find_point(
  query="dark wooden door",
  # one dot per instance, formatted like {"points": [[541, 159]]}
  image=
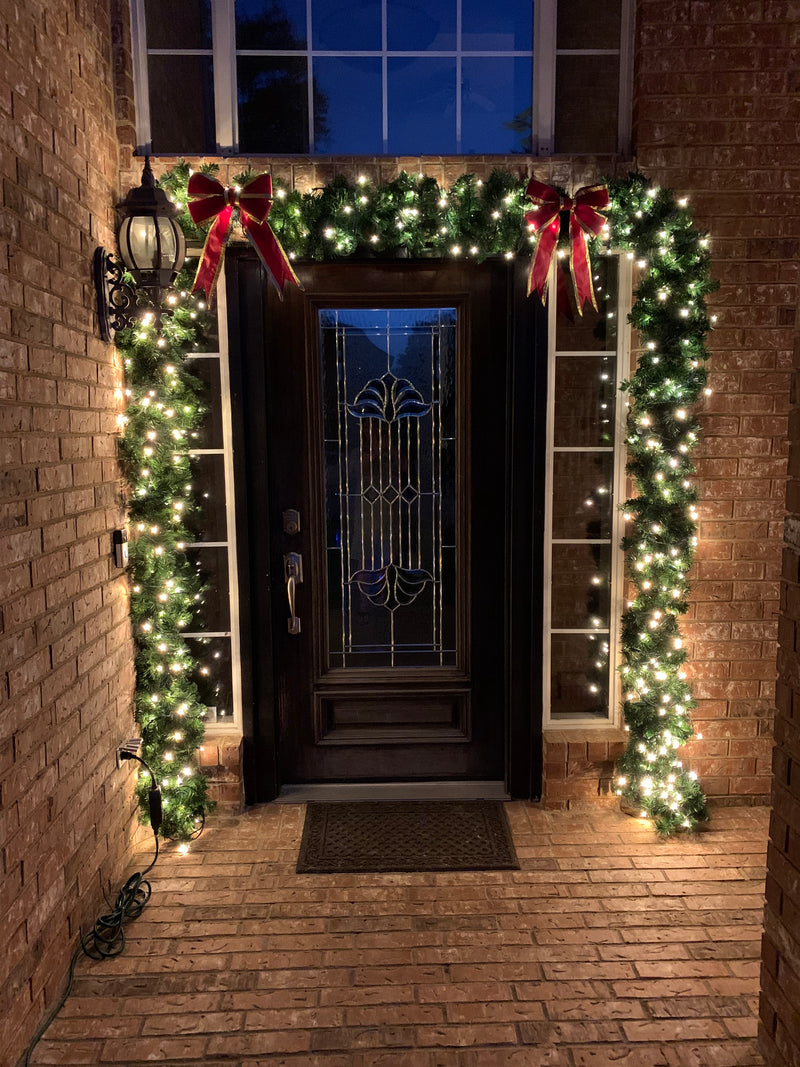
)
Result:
{"points": [[376, 404]]}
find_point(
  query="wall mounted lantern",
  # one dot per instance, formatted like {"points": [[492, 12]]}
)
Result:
{"points": [[152, 249]]}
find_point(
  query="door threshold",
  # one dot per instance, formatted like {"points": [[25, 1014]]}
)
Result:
{"points": [[342, 791]]}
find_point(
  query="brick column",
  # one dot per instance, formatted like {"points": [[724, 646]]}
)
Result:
{"points": [[67, 813], [714, 103], [779, 1030]]}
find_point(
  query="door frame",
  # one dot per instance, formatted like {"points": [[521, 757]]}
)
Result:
{"points": [[525, 411]]}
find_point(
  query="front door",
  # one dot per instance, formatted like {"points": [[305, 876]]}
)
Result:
{"points": [[376, 406]]}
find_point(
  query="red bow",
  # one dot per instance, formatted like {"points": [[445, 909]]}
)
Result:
{"points": [[208, 199], [544, 218]]}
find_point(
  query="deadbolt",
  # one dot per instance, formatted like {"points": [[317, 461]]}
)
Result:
{"points": [[291, 521]]}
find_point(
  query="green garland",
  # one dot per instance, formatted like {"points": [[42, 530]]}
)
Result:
{"points": [[410, 217], [164, 410], [414, 217], [669, 314]]}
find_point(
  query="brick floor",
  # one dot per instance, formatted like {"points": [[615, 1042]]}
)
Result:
{"points": [[608, 947]]}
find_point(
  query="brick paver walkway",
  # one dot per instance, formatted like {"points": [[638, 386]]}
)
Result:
{"points": [[609, 947]]}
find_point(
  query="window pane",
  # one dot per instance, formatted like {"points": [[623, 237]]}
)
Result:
{"points": [[589, 23], [580, 587], [346, 25], [497, 27], [580, 676], [209, 522], [214, 609], [593, 330], [270, 24], [422, 106], [347, 111], [188, 24], [213, 676], [181, 122], [496, 105], [210, 340], [273, 104], [582, 494], [421, 25], [209, 434], [585, 392], [587, 102]]}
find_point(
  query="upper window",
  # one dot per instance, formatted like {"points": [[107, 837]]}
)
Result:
{"points": [[371, 77]]}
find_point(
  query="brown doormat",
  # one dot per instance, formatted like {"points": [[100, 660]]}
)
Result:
{"points": [[408, 835]]}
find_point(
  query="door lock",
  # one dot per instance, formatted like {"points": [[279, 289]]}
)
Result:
{"points": [[293, 574], [291, 521]]}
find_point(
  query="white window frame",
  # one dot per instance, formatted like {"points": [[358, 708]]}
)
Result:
{"points": [[623, 357], [234, 722], [223, 53]]}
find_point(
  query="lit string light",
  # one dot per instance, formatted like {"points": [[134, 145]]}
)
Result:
{"points": [[670, 317], [163, 409]]}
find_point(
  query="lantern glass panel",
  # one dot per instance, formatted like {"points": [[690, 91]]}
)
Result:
{"points": [[152, 248], [138, 243], [169, 248], [151, 242]]}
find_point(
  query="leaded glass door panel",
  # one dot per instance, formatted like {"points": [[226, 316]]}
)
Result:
{"points": [[389, 415], [375, 405]]}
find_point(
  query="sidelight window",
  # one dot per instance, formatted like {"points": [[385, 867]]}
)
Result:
{"points": [[588, 357], [214, 638]]}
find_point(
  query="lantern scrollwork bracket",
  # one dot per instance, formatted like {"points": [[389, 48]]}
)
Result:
{"points": [[116, 300]]}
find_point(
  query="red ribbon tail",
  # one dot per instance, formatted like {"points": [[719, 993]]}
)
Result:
{"points": [[276, 262], [581, 267], [563, 305], [539, 270], [213, 251]]}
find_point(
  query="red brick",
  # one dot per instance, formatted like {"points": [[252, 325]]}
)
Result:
{"points": [[13, 579], [23, 609], [56, 476], [26, 674]]}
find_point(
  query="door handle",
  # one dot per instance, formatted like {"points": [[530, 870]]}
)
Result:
{"points": [[293, 574]]}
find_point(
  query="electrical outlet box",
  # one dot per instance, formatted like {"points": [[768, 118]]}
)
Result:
{"points": [[130, 747], [120, 542]]}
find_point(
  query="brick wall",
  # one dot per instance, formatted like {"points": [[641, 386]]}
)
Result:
{"points": [[306, 172], [716, 108], [578, 766], [66, 812], [779, 1030], [715, 117]]}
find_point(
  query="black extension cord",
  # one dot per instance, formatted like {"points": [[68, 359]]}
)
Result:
{"points": [[107, 937]]}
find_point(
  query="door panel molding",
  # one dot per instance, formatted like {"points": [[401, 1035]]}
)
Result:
{"points": [[387, 716]]}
